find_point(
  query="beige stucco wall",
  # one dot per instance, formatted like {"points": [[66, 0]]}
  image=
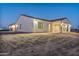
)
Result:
{"points": [[31, 25], [56, 27], [61, 26], [26, 24], [35, 25]]}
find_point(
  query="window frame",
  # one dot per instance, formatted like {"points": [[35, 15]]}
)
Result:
{"points": [[40, 25], [20, 26]]}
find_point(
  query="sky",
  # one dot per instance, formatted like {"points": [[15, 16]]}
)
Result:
{"points": [[10, 12]]}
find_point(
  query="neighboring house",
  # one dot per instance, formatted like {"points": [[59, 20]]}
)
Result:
{"points": [[31, 24]]}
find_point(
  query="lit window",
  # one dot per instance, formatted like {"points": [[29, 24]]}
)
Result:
{"points": [[40, 25]]}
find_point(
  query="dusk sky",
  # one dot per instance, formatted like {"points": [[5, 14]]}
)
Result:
{"points": [[9, 13]]}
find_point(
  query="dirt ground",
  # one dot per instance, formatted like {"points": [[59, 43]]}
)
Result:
{"points": [[40, 44]]}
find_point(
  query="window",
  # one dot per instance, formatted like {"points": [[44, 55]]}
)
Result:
{"points": [[20, 26], [40, 25], [64, 28]]}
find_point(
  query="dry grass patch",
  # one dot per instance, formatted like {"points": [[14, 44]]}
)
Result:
{"points": [[40, 44]]}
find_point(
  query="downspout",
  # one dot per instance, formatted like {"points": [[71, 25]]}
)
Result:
{"points": [[61, 27]]}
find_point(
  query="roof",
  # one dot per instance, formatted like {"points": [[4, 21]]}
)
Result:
{"points": [[59, 19], [46, 19], [34, 17], [12, 24]]}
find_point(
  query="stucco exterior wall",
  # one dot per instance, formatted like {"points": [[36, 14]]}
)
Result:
{"points": [[30, 24], [25, 24], [35, 25], [56, 27], [61, 26]]}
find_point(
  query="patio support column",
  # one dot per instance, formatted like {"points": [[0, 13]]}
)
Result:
{"points": [[69, 28]]}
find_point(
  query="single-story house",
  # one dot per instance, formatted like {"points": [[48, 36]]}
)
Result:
{"points": [[27, 23]]}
